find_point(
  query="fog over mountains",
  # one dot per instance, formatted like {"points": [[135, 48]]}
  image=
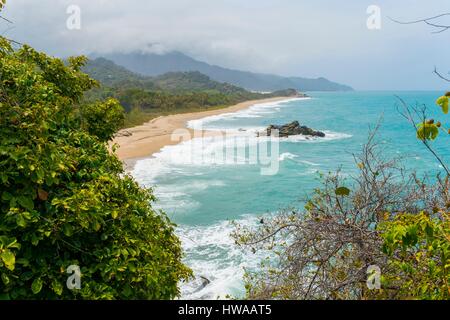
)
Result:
{"points": [[151, 64]]}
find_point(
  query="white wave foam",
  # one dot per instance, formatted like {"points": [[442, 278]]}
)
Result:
{"points": [[211, 253], [309, 163], [174, 203], [255, 111], [286, 155], [230, 149], [329, 135], [290, 156], [307, 172]]}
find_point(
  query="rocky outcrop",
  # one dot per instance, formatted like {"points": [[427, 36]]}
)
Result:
{"points": [[202, 283], [292, 129]]}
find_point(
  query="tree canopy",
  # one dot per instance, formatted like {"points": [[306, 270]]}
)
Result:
{"points": [[64, 197]]}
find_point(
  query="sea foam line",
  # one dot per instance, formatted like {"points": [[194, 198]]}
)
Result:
{"points": [[212, 254], [257, 110]]}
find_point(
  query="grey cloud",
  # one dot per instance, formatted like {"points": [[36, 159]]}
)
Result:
{"points": [[290, 37]]}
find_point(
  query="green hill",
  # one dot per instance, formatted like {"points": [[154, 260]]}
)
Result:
{"points": [[193, 81], [113, 75]]}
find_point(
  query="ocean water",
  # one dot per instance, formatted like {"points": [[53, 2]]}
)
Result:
{"points": [[202, 195]]}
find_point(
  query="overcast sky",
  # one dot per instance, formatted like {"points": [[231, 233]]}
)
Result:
{"points": [[287, 37]]}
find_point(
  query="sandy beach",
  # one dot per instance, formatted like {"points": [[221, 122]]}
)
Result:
{"points": [[150, 137]]}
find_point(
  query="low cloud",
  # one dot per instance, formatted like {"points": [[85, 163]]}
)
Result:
{"points": [[320, 38]]}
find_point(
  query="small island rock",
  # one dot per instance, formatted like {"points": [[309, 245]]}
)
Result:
{"points": [[292, 129]]}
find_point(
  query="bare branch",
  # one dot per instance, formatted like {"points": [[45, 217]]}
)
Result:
{"points": [[421, 115], [8, 29], [3, 18], [428, 21], [440, 75]]}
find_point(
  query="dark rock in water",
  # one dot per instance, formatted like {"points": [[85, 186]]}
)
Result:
{"points": [[292, 129], [204, 282]]}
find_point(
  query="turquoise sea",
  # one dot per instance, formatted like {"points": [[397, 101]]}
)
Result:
{"points": [[202, 197]]}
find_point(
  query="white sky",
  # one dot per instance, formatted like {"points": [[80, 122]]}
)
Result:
{"points": [[287, 37]]}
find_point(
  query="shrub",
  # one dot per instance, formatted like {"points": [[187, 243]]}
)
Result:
{"points": [[65, 199], [418, 246]]}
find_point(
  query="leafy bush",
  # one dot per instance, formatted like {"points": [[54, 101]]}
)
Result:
{"points": [[65, 199], [418, 247], [102, 119]]}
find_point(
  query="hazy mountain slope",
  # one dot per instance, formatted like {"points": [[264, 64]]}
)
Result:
{"points": [[109, 73], [154, 64], [113, 75], [193, 81]]}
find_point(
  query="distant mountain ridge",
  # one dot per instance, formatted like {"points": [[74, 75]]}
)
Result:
{"points": [[113, 75], [150, 64]]}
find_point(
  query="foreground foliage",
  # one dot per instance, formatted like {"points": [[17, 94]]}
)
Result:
{"points": [[65, 199], [418, 247]]}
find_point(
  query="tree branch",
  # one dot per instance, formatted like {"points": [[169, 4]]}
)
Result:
{"points": [[422, 116], [428, 21], [440, 75], [3, 18]]}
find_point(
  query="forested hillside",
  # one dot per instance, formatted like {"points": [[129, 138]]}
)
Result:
{"points": [[147, 97]]}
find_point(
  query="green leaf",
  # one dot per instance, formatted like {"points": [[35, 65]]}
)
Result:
{"points": [[5, 279], [8, 242], [67, 230], [8, 258], [57, 287], [342, 191], [6, 196], [26, 202], [412, 235], [23, 262], [429, 231], [443, 103], [20, 220], [5, 296], [96, 225], [427, 131], [36, 286]]}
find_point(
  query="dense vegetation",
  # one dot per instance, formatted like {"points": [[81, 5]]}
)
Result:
{"points": [[65, 199], [111, 75], [380, 234], [145, 97]]}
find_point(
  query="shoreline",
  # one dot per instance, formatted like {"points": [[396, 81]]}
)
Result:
{"points": [[150, 137]]}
